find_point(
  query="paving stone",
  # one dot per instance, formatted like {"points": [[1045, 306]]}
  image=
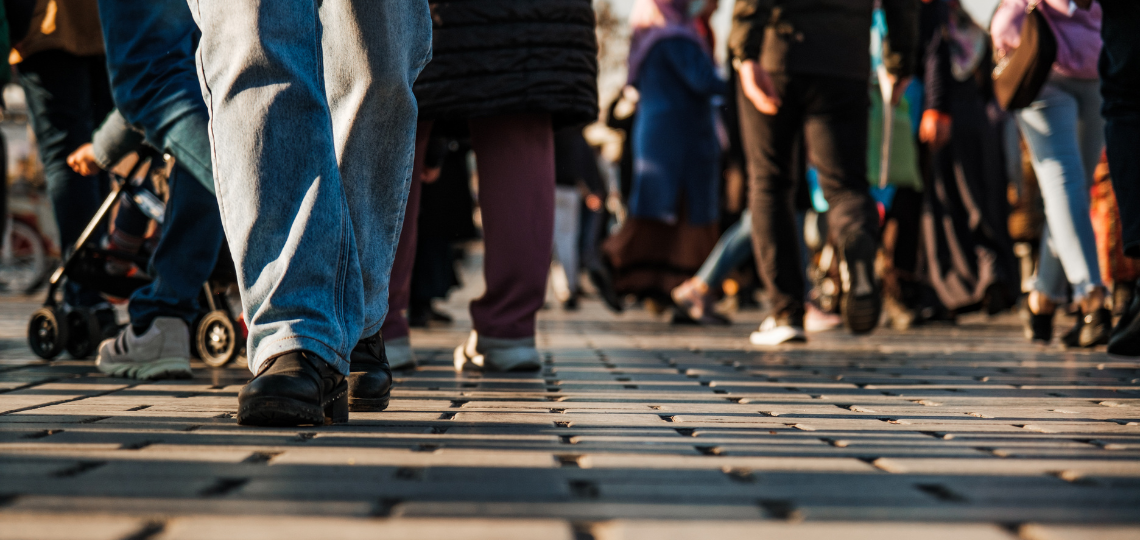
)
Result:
{"points": [[37, 526], [209, 528], [683, 530]]}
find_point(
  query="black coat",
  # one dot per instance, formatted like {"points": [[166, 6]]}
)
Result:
{"points": [[495, 57]]}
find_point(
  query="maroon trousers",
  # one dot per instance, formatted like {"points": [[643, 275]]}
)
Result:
{"points": [[515, 159]]}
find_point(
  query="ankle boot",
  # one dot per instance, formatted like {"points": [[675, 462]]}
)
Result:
{"points": [[293, 389], [370, 377], [1038, 326]]}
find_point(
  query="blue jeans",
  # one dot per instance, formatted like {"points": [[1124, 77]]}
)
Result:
{"points": [[150, 58], [67, 96], [733, 248], [313, 126], [186, 254], [1064, 131]]}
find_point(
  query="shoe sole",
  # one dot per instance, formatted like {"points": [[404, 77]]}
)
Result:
{"points": [[462, 361], [368, 404], [162, 368], [860, 306], [770, 339], [271, 411]]}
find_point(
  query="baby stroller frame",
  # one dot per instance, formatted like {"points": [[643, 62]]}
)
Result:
{"points": [[216, 339]]}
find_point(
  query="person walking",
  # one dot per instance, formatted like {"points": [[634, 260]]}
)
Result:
{"points": [[534, 71], [150, 62], [60, 60], [673, 204], [805, 66], [312, 124], [1064, 132]]}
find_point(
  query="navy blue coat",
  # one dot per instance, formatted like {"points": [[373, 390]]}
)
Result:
{"points": [[675, 147]]}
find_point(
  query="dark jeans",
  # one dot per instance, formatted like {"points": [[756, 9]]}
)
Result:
{"points": [[68, 96], [150, 57], [1122, 138], [186, 254], [832, 113]]}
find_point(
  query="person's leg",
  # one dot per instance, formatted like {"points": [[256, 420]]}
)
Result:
{"points": [[1122, 133], [65, 108], [157, 343], [768, 143], [515, 157], [374, 125], [399, 292], [1050, 129], [567, 206], [187, 251], [835, 131], [733, 248], [278, 181], [150, 58]]}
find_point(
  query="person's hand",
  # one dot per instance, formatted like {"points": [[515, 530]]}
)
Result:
{"points": [[935, 128], [758, 87], [898, 86], [82, 161], [429, 175]]}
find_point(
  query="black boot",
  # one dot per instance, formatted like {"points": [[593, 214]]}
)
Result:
{"points": [[370, 378], [861, 304], [293, 389], [1125, 338], [1092, 329]]}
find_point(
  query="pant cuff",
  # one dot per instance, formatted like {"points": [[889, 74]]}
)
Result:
{"points": [[281, 345]]}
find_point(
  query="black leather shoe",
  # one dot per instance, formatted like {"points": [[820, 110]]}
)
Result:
{"points": [[1038, 326], [370, 378], [294, 389]]}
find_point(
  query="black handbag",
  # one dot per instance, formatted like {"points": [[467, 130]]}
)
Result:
{"points": [[1022, 72]]}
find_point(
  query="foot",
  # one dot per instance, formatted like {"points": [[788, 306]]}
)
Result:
{"points": [[162, 352], [294, 389], [400, 354], [776, 331], [690, 298], [497, 354], [370, 377], [816, 320], [1125, 338], [1092, 329], [1038, 326], [602, 278], [860, 306]]}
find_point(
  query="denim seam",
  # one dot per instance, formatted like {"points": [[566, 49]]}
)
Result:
{"points": [[336, 361]]}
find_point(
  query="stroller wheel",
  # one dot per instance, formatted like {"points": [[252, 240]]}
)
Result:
{"points": [[215, 338], [47, 332], [83, 333]]}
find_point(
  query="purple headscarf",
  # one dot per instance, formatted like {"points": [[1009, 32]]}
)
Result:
{"points": [[653, 21]]}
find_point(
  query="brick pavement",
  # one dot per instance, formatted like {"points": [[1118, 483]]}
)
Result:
{"points": [[633, 430]]}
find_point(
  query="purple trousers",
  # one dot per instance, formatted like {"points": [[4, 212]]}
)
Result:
{"points": [[515, 160]]}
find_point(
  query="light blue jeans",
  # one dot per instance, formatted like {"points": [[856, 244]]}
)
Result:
{"points": [[312, 125], [1065, 134]]}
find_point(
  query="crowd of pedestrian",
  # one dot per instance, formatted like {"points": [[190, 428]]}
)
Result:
{"points": [[326, 148]]}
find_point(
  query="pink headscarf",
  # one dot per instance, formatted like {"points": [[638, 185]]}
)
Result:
{"points": [[653, 21]]}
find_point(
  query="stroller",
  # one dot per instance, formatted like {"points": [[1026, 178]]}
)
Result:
{"points": [[217, 337]]}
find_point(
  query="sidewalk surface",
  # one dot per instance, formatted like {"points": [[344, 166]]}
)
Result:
{"points": [[634, 429]]}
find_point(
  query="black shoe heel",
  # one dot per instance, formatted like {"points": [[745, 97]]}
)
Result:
{"points": [[336, 411]]}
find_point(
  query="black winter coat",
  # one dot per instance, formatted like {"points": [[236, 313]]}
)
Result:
{"points": [[495, 57]]}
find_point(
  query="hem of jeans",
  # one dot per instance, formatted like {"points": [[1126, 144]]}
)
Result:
{"points": [[300, 343], [1084, 289], [1034, 285]]}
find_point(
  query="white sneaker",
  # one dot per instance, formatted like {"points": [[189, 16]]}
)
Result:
{"points": [[497, 354], [773, 333], [399, 352], [163, 352]]}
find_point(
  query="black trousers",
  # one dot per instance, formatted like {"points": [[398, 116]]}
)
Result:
{"points": [[832, 114]]}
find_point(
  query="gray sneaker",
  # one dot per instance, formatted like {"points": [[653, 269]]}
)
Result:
{"points": [[400, 354], [497, 354], [162, 352]]}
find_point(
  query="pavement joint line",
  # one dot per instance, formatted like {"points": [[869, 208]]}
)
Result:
{"points": [[148, 531], [32, 384], [70, 400]]}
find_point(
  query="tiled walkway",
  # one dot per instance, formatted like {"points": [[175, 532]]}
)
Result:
{"points": [[633, 430]]}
